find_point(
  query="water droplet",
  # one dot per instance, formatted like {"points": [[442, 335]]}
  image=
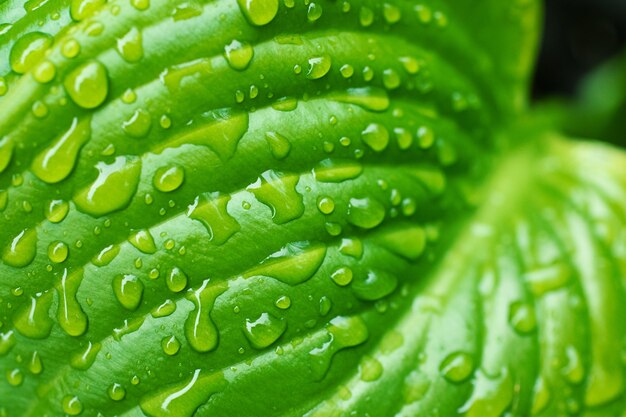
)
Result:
{"points": [[15, 377], [28, 50], [574, 371], [70, 48], [548, 278], [264, 331], [346, 70], [176, 280], [7, 341], [293, 264], [376, 136], [112, 190], [522, 317], [337, 170], [391, 79], [410, 64], [259, 12], [35, 365], [140, 5], [200, 331], [170, 345], [238, 54], [72, 405], [128, 326], [39, 109], [167, 308], [70, 314], [211, 210], [6, 152], [408, 242], [541, 396], [184, 398], [168, 178], [138, 125], [365, 213], [457, 367], [370, 98], [351, 247], [130, 46], [279, 145], [116, 392], [343, 332], [32, 319], [21, 251], [370, 368], [185, 11], [88, 84], [221, 134], [326, 205], [81, 9], [318, 67], [143, 241], [85, 358], [366, 16], [391, 13], [106, 255], [342, 276], [314, 12], [57, 161], [57, 251], [375, 285], [283, 302], [128, 290], [492, 395], [416, 385], [278, 192]]}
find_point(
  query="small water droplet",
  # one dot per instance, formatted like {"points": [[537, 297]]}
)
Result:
{"points": [[138, 124], [7, 341], [57, 251], [81, 9], [283, 302], [116, 392], [168, 178], [391, 13], [35, 365], [176, 280], [314, 12], [238, 54], [15, 377], [370, 368], [365, 213], [72, 405], [342, 276], [278, 144], [143, 241], [366, 16], [106, 255], [522, 317], [130, 45], [167, 308], [170, 345], [376, 136]]}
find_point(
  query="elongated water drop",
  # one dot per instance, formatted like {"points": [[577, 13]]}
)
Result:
{"points": [[176, 280], [112, 190], [56, 211], [293, 264], [337, 170], [35, 365], [106, 255], [211, 210], [165, 309], [32, 319], [128, 290], [278, 192], [457, 367], [279, 145], [88, 84], [200, 331], [370, 98], [182, 399], [70, 314], [85, 358], [57, 161], [143, 241], [21, 251]]}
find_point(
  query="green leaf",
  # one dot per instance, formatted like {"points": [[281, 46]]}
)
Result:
{"points": [[264, 208]]}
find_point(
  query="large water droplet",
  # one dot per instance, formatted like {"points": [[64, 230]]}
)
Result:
{"points": [[366, 213], [130, 45], [57, 161], [128, 290], [168, 178], [88, 84], [279, 145], [138, 124], [293, 264], [376, 136], [70, 314], [32, 319], [375, 285], [343, 332], [83, 359], [184, 398], [211, 210], [370, 98], [28, 50], [408, 242], [21, 251], [259, 12], [112, 190], [278, 192], [264, 331], [200, 331], [336, 170]]}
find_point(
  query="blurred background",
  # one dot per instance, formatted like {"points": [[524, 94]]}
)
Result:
{"points": [[579, 35]]}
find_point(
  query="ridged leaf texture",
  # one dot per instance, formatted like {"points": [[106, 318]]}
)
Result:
{"points": [[298, 208]]}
